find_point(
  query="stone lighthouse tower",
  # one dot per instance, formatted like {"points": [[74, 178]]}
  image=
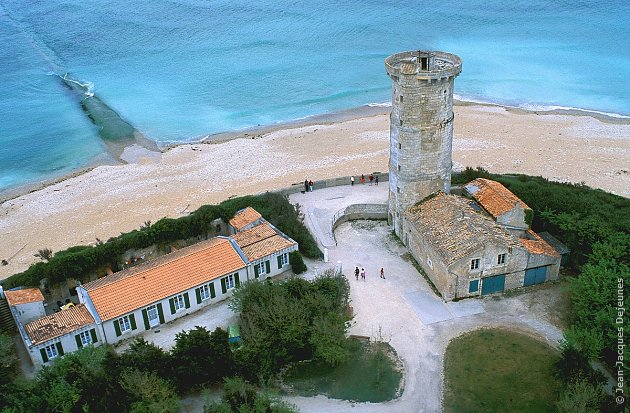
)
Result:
{"points": [[421, 127]]}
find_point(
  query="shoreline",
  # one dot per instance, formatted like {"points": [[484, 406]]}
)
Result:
{"points": [[114, 154], [110, 199]]}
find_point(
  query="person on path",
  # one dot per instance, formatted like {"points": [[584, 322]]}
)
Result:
{"points": [[352, 180], [362, 178], [356, 273], [363, 274], [310, 185], [306, 185], [376, 180], [371, 178], [382, 273]]}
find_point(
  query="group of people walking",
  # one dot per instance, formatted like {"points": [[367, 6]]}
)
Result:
{"points": [[372, 178], [361, 272], [308, 185]]}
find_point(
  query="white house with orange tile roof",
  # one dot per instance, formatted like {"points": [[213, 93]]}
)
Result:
{"points": [[123, 304], [267, 249], [161, 290], [472, 247], [26, 304]]}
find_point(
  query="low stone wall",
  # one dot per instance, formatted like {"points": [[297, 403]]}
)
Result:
{"points": [[328, 183], [357, 211]]}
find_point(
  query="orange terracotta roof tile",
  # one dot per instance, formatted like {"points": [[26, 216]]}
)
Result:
{"points": [[27, 295], [261, 240], [58, 324], [493, 197], [147, 283], [244, 217], [538, 245], [454, 228]]}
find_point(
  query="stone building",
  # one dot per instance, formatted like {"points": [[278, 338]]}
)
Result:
{"points": [[421, 127], [468, 246]]}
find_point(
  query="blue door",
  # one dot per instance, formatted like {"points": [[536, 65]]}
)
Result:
{"points": [[535, 276], [494, 284]]}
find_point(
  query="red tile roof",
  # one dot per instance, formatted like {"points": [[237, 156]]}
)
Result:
{"points": [[244, 217], [261, 241], [147, 283], [58, 324], [27, 295], [493, 197], [538, 245]]}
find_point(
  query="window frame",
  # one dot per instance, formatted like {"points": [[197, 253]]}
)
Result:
{"points": [[475, 264], [284, 259], [262, 268], [230, 282], [124, 323], [178, 302], [203, 290], [501, 259], [85, 335], [51, 351]]}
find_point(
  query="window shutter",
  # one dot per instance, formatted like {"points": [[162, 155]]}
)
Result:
{"points": [[236, 280], [212, 293], [59, 348], [223, 287], [268, 266], [256, 272], [186, 300], [93, 335], [160, 313], [79, 342], [132, 321], [171, 303], [117, 328], [145, 317], [279, 261], [42, 351], [198, 295]]}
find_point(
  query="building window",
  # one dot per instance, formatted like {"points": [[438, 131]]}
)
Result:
{"points": [[473, 287], [86, 338], [261, 269], [398, 168], [401, 98], [124, 324], [430, 263], [283, 259], [178, 301], [401, 122], [400, 146], [501, 259], [229, 281], [474, 264], [51, 351], [204, 292]]}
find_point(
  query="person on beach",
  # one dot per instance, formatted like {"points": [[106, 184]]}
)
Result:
{"points": [[310, 185], [371, 178], [363, 274], [362, 178], [376, 180], [356, 273], [352, 180], [306, 185], [382, 273]]}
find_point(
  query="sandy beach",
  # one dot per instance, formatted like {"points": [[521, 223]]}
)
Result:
{"points": [[110, 199]]}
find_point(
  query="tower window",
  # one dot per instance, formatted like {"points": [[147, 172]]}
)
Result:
{"points": [[400, 146], [401, 98], [398, 168], [398, 189], [401, 122]]}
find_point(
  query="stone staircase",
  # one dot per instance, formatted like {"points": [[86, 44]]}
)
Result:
{"points": [[7, 324]]}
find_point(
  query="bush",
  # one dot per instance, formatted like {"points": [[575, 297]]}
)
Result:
{"points": [[297, 263]]}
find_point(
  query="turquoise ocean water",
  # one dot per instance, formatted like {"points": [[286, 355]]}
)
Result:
{"points": [[181, 69]]}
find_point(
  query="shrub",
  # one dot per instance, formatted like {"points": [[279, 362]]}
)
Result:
{"points": [[297, 263]]}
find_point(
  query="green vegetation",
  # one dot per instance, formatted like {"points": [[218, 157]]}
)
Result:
{"points": [[79, 261], [367, 375], [499, 371], [297, 263], [290, 321], [240, 396]]}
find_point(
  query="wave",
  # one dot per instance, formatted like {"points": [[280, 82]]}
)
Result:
{"points": [[86, 87], [535, 107], [380, 105]]}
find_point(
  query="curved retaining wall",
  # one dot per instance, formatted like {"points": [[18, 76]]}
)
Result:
{"points": [[328, 183], [357, 211]]}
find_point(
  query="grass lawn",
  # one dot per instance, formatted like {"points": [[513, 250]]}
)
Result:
{"points": [[496, 370], [371, 374]]}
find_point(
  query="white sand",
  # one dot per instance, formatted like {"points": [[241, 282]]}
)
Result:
{"points": [[109, 200]]}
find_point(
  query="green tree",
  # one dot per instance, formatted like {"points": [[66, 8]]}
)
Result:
{"points": [[580, 396], [148, 393], [144, 356], [297, 263], [240, 396]]}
